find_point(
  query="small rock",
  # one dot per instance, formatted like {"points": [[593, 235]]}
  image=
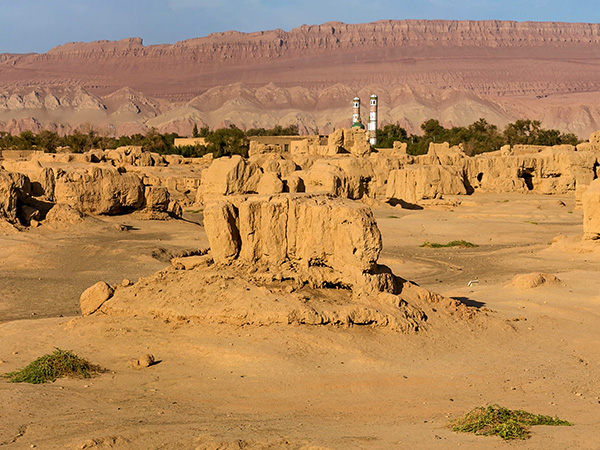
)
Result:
{"points": [[94, 297], [126, 283], [143, 361]]}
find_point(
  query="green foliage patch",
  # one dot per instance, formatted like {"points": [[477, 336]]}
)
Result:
{"points": [[496, 420], [479, 137], [461, 244], [61, 363]]}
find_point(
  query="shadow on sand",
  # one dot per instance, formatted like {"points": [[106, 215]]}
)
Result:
{"points": [[469, 302]]}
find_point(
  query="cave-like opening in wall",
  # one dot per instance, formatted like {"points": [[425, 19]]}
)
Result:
{"points": [[527, 176]]}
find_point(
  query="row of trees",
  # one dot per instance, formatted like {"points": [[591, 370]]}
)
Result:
{"points": [[80, 141], [220, 142], [479, 137]]}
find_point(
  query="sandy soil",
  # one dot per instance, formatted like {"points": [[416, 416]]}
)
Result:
{"points": [[44, 270], [222, 386]]}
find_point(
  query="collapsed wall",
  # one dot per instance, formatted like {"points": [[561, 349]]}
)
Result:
{"points": [[18, 201], [551, 171], [354, 141], [341, 165], [8, 197], [416, 182], [100, 191]]}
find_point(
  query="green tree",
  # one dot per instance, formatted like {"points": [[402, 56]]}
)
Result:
{"points": [[77, 141], [155, 142], [227, 141], [26, 140], [389, 134], [49, 140], [277, 130], [433, 129], [482, 137], [195, 132], [522, 132]]}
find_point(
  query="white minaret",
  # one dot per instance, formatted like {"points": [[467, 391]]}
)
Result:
{"points": [[355, 110], [373, 120]]}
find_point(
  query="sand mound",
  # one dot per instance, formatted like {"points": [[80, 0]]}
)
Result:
{"points": [[64, 214], [237, 294], [533, 280]]}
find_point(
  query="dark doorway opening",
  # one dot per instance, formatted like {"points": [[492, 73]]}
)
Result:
{"points": [[527, 175]]}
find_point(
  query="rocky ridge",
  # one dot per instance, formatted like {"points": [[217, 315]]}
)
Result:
{"points": [[456, 71]]}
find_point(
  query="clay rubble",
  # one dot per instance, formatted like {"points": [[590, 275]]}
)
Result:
{"points": [[342, 165]]}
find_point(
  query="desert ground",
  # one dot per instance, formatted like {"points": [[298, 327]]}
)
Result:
{"points": [[224, 386]]}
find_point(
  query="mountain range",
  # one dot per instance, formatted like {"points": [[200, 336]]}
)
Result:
{"points": [[453, 71]]}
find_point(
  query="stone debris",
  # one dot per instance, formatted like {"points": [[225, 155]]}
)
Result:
{"points": [[142, 362], [94, 297]]}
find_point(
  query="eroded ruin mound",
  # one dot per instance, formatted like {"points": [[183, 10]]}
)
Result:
{"points": [[287, 259]]}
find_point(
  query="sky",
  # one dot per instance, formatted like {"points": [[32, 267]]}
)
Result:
{"points": [[38, 25]]}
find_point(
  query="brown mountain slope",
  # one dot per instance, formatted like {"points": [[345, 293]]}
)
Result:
{"points": [[456, 71]]}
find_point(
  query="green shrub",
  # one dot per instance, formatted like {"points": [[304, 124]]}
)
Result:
{"points": [[61, 363], [496, 420], [462, 244]]}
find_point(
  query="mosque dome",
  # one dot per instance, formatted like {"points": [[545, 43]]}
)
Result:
{"points": [[358, 124]]}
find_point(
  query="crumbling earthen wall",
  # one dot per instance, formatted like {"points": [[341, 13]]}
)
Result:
{"points": [[591, 211], [313, 233]]}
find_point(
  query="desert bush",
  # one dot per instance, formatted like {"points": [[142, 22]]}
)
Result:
{"points": [[496, 420], [461, 244], [61, 363]]}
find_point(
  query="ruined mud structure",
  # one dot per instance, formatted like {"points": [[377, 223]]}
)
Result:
{"points": [[342, 165]]}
